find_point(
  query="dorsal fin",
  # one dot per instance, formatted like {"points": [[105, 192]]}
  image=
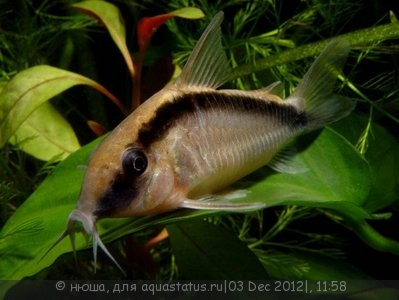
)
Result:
{"points": [[207, 65]]}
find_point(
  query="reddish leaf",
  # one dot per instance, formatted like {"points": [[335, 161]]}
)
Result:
{"points": [[97, 128], [147, 26]]}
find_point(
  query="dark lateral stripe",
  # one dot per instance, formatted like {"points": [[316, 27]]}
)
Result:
{"points": [[169, 113]]}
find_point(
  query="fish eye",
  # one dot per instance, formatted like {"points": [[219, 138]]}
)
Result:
{"points": [[134, 162]]}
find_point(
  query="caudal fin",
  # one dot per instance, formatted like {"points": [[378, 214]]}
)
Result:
{"points": [[314, 95]]}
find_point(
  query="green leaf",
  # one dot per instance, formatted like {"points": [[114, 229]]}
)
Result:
{"points": [[337, 178], [109, 15], [41, 219], [29, 89], [207, 251], [46, 135], [381, 152], [188, 13]]}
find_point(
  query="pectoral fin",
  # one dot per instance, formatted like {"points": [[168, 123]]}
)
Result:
{"points": [[286, 162], [224, 202]]}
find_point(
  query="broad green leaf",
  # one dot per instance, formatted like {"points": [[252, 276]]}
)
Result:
{"points": [[46, 135], [29, 89], [39, 220], [381, 151], [206, 251], [337, 177], [109, 15]]}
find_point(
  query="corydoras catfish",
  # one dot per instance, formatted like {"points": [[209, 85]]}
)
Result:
{"points": [[183, 146]]}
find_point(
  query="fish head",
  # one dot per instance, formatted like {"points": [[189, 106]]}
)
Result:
{"points": [[126, 182], [123, 178]]}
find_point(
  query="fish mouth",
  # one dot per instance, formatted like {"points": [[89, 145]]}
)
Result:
{"points": [[89, 226], [79, 221]]}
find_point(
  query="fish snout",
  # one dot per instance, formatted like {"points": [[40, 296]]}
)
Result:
{"points": [[79, 218]]}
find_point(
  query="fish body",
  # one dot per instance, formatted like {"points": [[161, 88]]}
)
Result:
{"points": [[190, 141], [195, 143]]}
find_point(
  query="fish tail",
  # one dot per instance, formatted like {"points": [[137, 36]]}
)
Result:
{"points": [[314, 95]]}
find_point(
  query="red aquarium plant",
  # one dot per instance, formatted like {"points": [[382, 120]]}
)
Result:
{"points": [[110, 18]]}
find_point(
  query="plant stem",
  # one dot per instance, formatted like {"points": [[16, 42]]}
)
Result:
{"points": [[359, 37], [372, 237]]}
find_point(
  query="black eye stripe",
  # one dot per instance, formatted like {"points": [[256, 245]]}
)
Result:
{"points": [[134, 162], [124, 188], [117, 197]]}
